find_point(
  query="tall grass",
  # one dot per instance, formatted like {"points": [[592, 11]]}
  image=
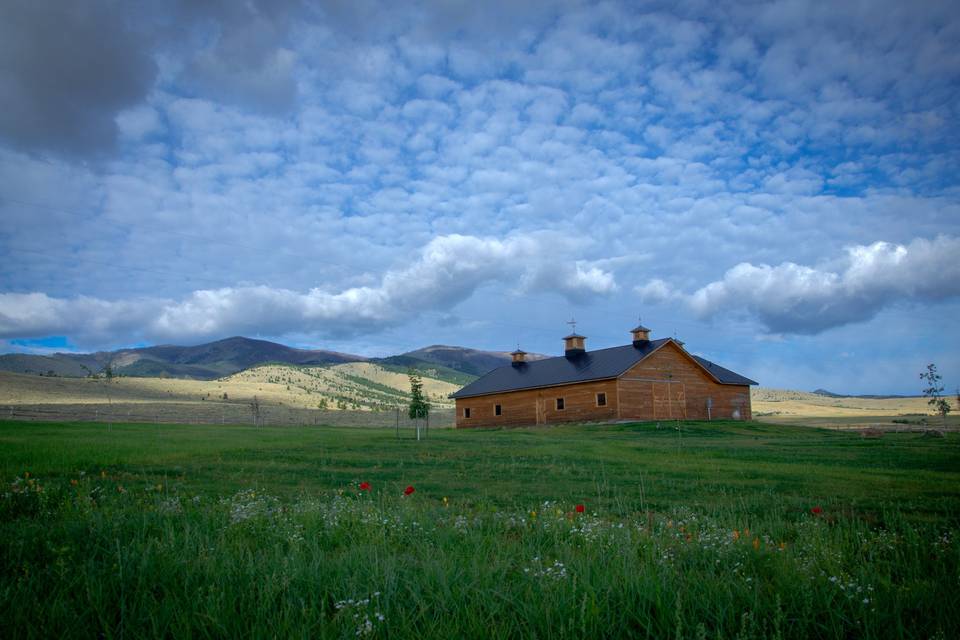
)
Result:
{"points": [[128, 550]]}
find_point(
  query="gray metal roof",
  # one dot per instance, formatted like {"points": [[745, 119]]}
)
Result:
{"points": [[589, 365]]}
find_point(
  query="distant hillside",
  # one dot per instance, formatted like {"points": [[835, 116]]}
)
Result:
{"points": [[830, 394], [470, 361], [42, 365], [360, 386], [203, 362], [402, 364]]}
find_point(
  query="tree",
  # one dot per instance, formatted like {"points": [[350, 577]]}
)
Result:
{"points": [[419, 407], [933, 391], [255, 410]]}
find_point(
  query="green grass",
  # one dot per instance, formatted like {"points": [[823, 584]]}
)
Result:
{"points": [[229, 531]]}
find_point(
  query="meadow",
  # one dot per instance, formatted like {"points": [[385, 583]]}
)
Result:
{"points": [[712, 530]]}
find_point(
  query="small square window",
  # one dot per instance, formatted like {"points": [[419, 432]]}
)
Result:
{"points": [[559, 404], [601, 399], [466, 412], [497, 410]]}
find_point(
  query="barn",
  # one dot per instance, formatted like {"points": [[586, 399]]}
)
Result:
{"points": [[645, 380]]}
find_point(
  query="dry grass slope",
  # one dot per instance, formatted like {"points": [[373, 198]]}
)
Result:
{"points": [[799, 407], [353, 386]]}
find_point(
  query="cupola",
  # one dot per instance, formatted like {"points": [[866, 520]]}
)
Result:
{"points": [[641, 335], [519, 357], [573, 345]]}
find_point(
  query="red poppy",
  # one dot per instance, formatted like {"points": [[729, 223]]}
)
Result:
{"points": [[408, 490], [817, 510], [580, 508], [364, 486]]}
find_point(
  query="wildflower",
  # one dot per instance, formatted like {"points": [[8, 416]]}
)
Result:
{"points": [[364, 486], [408, 490], [73, 483], [533, 514], [756, 544], [782, 546], [446, 502], [580, 508], [817, 510], [736, 535]]}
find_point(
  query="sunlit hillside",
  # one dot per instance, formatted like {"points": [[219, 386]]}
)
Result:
{"points": [[799, 407], [362, 386]]}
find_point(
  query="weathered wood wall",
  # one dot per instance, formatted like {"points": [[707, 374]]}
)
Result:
{"points": [[538, 406], [670, 384], [667, 384]]}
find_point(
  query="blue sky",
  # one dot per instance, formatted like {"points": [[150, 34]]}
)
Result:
{"points": [[774, 183]]}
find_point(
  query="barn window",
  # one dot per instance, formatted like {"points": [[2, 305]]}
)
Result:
{"points": [[466, 412], [497, 410], [559, 404], [601, 399]]}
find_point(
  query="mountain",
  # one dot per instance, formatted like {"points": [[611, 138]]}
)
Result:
{"points": [[204, 361], [470, 361], [457, 365]]}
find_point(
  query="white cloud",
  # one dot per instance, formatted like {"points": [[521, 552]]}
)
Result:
{"points": [[793, 298], [448, 270]]}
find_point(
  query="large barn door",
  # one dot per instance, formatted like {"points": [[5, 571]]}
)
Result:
{"points": [[669, 400]]}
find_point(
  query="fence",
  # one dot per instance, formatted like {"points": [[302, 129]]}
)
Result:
{"points": [[219, 413]]}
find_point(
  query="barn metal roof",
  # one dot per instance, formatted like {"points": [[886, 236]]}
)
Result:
{"points": [[589, 365]]}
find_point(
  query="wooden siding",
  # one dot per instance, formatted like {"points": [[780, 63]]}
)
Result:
{"points": [[668, 384], [538, 406]]}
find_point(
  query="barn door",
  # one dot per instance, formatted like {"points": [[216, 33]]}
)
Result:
{"points": [[679, 396], [669, 401]]}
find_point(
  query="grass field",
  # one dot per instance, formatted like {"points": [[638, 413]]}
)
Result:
{"points": [[792, 407], [716, 530]]}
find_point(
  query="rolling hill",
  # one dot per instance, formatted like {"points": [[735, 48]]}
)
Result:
{"points": [[358, 386], [203, 362], [470, 361], [457, 365]]}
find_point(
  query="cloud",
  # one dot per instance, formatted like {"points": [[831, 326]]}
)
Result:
{"points": [[798, 299], [66, 70], [448, 270]]}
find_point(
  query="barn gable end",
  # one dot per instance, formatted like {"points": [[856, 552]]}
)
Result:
{"points": [[646, 380]]}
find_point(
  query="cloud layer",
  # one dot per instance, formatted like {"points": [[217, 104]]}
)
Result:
{"points": [[793, 298], [448, 270]]}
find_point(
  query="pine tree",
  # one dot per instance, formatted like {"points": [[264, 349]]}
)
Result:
{"points": [[419, 407]]}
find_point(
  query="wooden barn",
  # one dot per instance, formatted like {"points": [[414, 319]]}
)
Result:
{"points": [[644, 380]]}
